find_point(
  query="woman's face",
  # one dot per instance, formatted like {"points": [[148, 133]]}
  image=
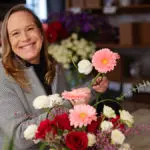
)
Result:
{"points": [[25, 37]]}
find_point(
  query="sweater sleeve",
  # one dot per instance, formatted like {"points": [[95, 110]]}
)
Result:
{"points": [[11, 125]]}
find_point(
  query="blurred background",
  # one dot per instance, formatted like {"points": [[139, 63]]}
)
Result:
{"points": [[121, 25]]}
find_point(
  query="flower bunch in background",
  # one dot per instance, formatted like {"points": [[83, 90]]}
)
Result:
{"points": [[78, 22], [91, 26], [71, 49]]}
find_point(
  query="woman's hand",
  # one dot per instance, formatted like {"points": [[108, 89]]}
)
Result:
{"points": [[101, 84]]}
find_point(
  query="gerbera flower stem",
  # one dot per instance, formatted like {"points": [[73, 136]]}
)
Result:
{"points": [[94, 80], [111, 100]]}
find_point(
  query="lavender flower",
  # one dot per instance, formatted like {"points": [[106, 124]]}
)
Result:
{"points": [[80, 22]]}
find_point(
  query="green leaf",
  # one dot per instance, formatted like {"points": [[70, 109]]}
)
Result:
{"points": [[43, 145]]}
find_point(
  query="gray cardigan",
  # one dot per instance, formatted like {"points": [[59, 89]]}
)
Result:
{"points": [[16, 109]]}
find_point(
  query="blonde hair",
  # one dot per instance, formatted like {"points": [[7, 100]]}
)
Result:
{"points": [[12, 66]]}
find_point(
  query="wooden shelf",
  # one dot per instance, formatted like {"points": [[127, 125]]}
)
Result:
{"points": [[99, 45], [134, 9], [123, 10]]}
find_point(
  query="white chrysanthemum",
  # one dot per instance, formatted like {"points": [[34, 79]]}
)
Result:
{"points": [[109, 112], [55, 99], [72, 46], [126, 117], [117, 137], [106, 125], [41, 102], [30, 131], [125, 146], [74, 36], [85, 66], [91, 139]]}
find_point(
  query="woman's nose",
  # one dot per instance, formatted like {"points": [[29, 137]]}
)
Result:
{"points": [[24, 36]]}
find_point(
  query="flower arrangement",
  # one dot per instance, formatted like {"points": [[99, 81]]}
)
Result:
{"points": [[79, 127], [71, 49]]}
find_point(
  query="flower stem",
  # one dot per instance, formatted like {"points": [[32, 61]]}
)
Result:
{"points": [[111, 100], [93, 81], [74, 63]]}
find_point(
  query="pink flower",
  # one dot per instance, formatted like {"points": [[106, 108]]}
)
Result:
{"points": [[82, 115], [104, 60], [81, 95]]}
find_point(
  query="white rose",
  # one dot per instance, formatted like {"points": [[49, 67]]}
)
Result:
{"points": [[41, 102], [126, 117], [106, 125], [125, 146], [117, 137], [91, 139], [30, 131], [54, 100], [85, 66], [109, 112]]}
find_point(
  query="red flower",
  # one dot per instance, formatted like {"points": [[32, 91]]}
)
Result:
{"points": [[57, 26], [45, 127], [55, 32], [77, 140], [63, 33], [92, 128], [117, 124], [51, 35], [63, 122]]}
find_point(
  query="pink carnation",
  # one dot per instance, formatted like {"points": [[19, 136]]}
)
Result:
{"points": [[82, 115], [77, 94], [104, 60]]}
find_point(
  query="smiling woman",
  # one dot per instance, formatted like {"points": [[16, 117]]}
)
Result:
{"points": [[26, 72], [25, 38]]}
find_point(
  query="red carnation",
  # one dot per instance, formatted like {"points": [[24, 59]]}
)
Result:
{"points": [[57, 26], [51, 35], [63, 122], [45, 127], [63, 33], [117, 124], [77, 140], [93, 127]]}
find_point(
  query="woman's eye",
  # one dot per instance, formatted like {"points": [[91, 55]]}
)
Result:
{"points": [[30, 29], [15, 34]]}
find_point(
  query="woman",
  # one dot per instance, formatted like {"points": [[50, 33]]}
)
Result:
{"points": [[26, 72]]}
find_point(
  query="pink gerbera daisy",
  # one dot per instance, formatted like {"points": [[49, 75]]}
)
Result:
{"points": [[82, 115], [104, 60]]}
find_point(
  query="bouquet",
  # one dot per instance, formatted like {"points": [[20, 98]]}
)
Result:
{"points": [[79, 127]]}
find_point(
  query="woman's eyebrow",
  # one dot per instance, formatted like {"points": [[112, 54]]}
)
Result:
{"points": [[11, 32]]}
